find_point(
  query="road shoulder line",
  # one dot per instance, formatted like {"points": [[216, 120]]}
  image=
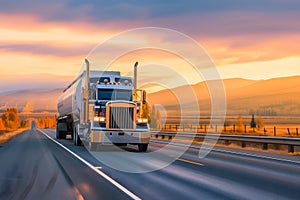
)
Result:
{"points": [[115, 183]]}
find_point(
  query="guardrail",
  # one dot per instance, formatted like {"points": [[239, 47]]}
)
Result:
{"points": [[265, 140], [233, 129]]}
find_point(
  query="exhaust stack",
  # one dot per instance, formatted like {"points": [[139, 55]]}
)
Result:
{"points": [[134, 94], [135, 75], [86, 95]]}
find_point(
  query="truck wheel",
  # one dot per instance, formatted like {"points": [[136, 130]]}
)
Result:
{"points": [[76, 138], [62, 135], [143, 147], [57, 133], [72, 133]]}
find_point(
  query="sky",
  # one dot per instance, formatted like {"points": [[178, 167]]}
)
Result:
{"points": [[257, 39]]}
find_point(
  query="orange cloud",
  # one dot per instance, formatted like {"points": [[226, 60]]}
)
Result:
{"points": [[252, 48], [31, 44]]}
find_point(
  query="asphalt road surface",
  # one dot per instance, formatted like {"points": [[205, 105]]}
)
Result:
{"points": [[35, 167]]}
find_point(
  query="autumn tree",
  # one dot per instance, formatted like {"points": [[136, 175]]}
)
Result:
{"points": [[46, 122], [10, 119], [1, 125], [26, 123]]}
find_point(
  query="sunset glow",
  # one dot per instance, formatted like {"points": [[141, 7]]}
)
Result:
{"points": [[244, 41]]}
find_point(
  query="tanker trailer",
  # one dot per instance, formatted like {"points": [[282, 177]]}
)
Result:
{"points": [[104, 108]]}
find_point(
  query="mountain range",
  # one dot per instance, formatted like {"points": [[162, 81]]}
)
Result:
{"points": [[278, 96]]}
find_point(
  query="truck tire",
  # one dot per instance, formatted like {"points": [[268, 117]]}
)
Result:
{"points": [[57, 133], [62, 135], [143, 147], [76, 138]]}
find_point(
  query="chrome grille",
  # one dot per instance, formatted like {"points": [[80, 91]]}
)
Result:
{"points": [[121, 117]]}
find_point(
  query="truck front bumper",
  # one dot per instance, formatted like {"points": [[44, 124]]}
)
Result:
{"points": [[119, 137]]}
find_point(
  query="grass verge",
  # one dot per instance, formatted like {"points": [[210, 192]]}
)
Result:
{"points": [[7, 135], [295, 154]]}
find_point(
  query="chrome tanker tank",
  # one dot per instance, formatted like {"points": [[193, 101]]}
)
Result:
{"points": [[69, 103]]}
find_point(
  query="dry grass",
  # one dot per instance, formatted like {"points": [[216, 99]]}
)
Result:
{"points": [[7, 135], [295, 154]]}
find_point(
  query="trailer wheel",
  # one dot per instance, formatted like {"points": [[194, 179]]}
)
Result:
{"points": [[76, 138], [143, 147], [60, 134]]}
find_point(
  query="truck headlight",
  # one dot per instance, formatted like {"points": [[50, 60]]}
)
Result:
{"points": [[99, 119], [142, 120]]}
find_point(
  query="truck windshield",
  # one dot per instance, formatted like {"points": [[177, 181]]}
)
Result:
{"points": [[114, 94]]}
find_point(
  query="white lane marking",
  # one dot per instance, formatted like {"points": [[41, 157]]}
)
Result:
{"points": [[258, 156], [190, 162], [115, 183], [98, 168], [236, 153]]}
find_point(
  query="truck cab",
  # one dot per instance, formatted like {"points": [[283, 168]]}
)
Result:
{"points": [[116, 117], [103, 107]]}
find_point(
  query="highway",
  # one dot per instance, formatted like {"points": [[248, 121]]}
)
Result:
{"points": [[35, 167]]}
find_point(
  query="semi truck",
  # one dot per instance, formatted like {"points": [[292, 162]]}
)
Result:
{"points": [[104, 108]]}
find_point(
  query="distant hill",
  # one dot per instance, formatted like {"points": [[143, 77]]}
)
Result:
{"points": [[31, 100], [279, 96], [32, 92]]}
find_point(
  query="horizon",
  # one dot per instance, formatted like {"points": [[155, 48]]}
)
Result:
{"points": [[64, 84]]}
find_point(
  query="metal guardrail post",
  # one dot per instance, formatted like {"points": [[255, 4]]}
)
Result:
{"points": [[274, 130], [243, 144], [265, 131], [265, 146], [291, 148]]}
